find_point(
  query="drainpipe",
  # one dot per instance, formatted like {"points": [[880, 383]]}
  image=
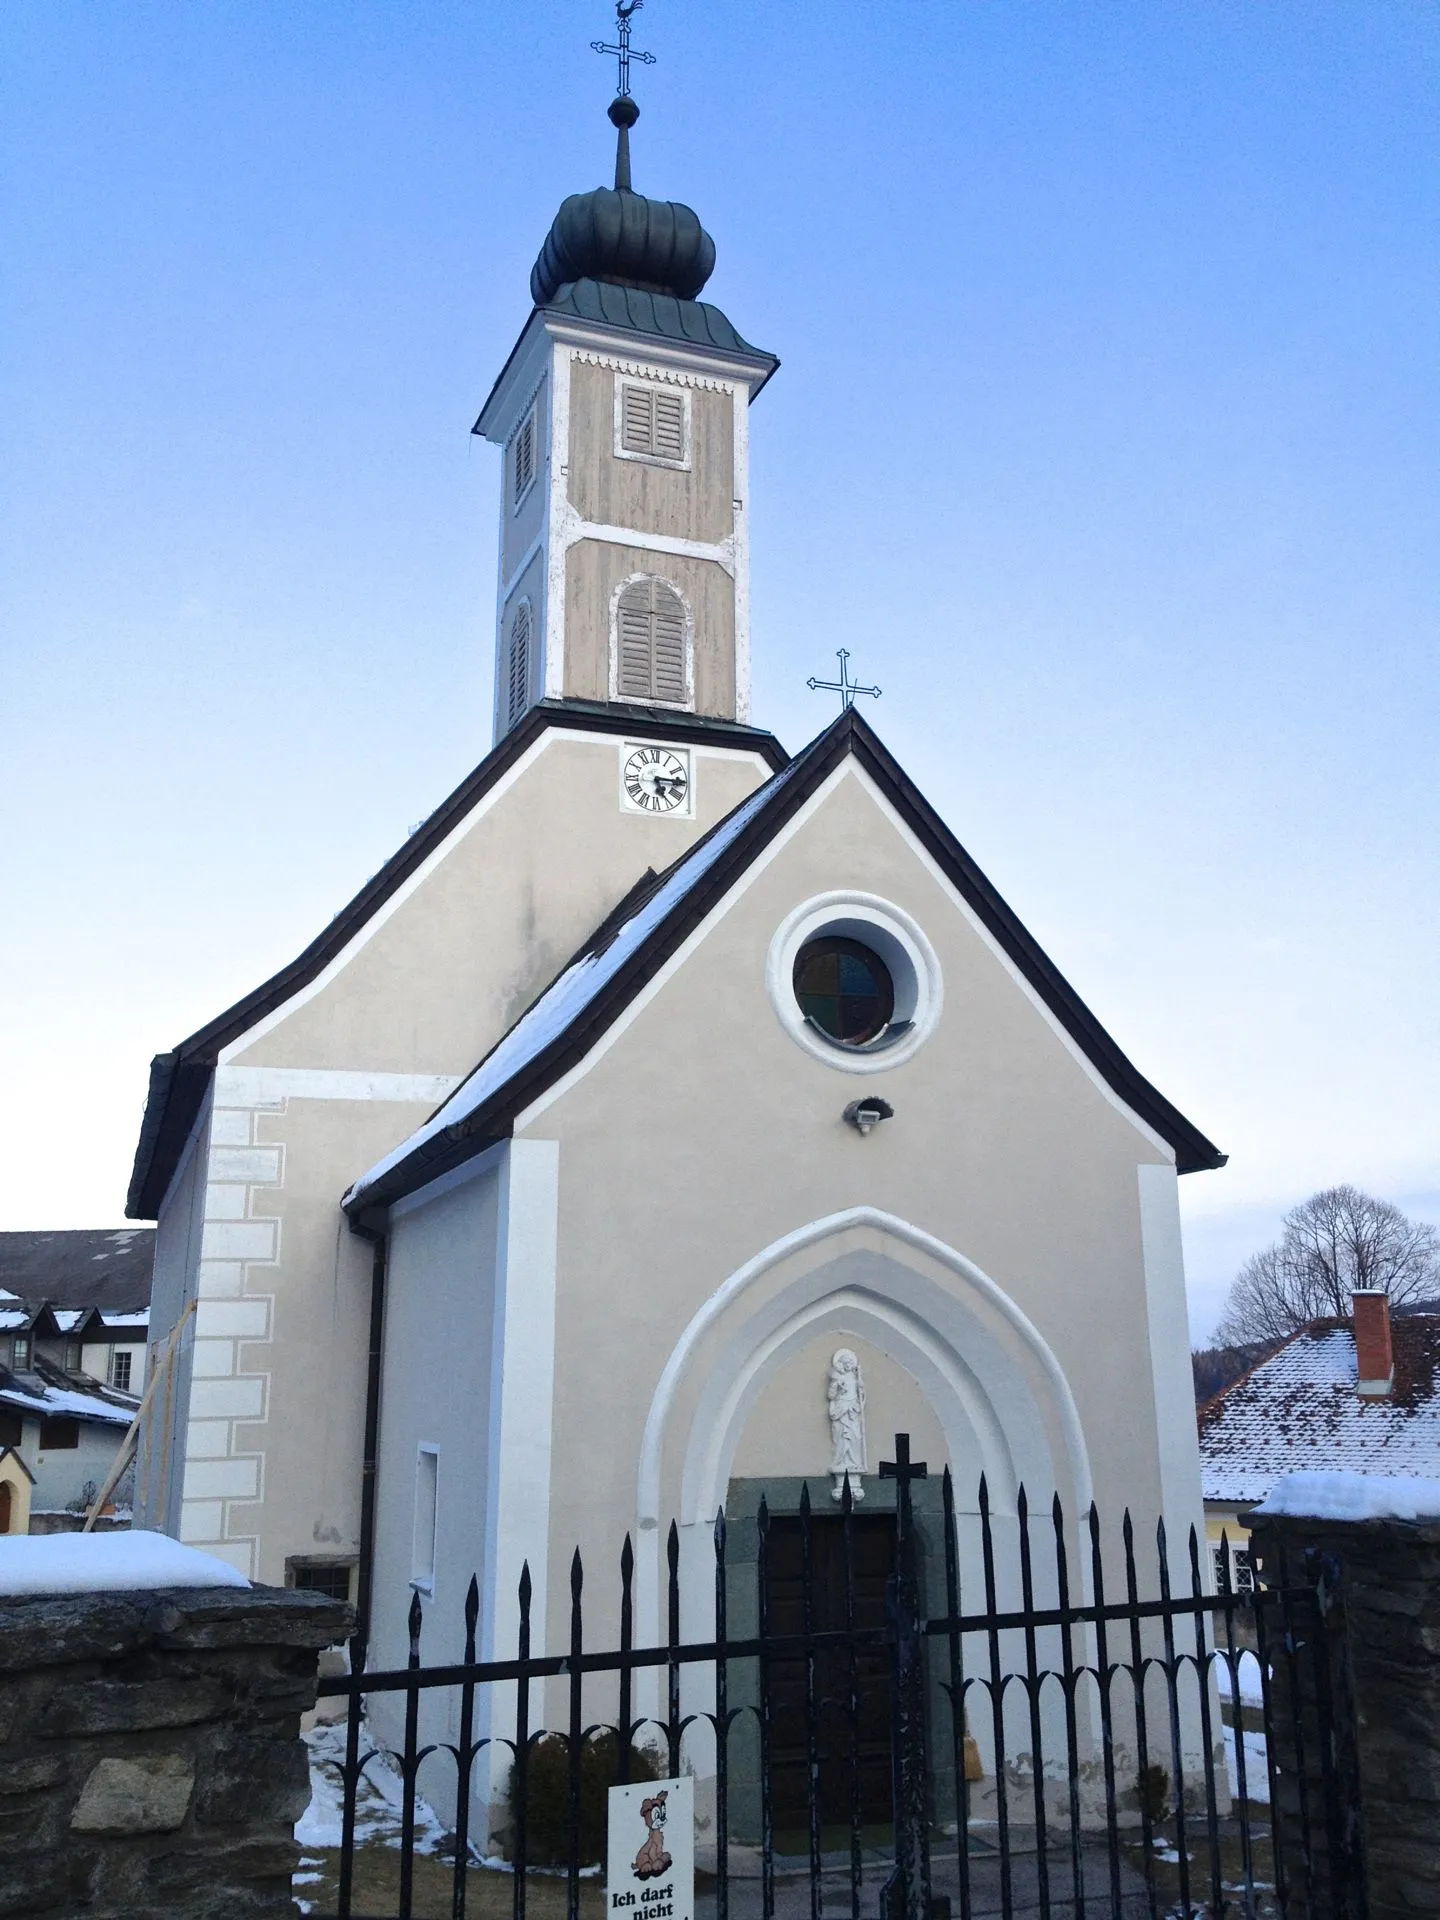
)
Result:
{"points": [[361, 1640]]}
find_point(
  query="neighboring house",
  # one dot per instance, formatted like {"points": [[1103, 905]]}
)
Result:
{"points": [[1359, 1394], [74, 1319]]}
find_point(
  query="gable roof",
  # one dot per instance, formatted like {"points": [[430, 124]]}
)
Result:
{"points": [[1302, 1408], [180, 1079], [589, 994]]}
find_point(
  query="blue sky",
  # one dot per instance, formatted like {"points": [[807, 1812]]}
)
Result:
{"points": [[1105, 438]]}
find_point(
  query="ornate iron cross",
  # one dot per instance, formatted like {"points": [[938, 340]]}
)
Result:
{"points": [[623, 52], [844, 686]]}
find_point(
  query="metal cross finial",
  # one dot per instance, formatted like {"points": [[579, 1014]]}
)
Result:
{"points": [[623, 51], [902, 1467], [844, 686]]}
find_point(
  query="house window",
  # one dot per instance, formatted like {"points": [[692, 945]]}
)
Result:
{"points": [[1242, 1569], [652, 651], [58, 1434], [120, 1364], [517, 664], [651, 424], [20, 1352], [72, 1356], [330, 1577], [427, 1491], [522, 460]]}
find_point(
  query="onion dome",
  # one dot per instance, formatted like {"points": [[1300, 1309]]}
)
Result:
{"points": [[617, 236]]}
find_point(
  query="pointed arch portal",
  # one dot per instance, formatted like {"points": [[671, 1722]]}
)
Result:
{"points": [[993, 1383]]}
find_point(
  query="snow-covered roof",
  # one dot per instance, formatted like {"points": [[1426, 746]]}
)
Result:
{"points": [[108, 1563], [123, 1322], [36, 1396], [1301, 1409], [567, 997]]}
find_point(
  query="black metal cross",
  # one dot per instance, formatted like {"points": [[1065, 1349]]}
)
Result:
{"points": [[902, 1467], [844, 686], [623, 52]]}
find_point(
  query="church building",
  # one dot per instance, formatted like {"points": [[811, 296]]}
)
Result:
{"points": [[672, 1119]]}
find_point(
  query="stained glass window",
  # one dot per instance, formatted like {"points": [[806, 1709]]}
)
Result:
{"points": [[845, 989]]}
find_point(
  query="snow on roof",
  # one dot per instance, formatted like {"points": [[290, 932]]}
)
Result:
{"points": [[108, 1563], [68, 1318], [1302, 1404], [567, 997], [1354, 1496], [50, 1401], [13, 1317], [117, 1321]]}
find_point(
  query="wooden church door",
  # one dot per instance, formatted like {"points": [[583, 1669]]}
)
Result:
{"points": [[864, 1788]]}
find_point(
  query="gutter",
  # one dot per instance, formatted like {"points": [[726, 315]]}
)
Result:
{"points": [[360, 1639]]}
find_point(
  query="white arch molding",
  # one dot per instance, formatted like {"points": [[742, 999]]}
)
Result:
{"points": [[768, 1329]]}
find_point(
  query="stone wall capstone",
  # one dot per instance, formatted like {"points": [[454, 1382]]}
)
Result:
{"points": [[150, 1760]]}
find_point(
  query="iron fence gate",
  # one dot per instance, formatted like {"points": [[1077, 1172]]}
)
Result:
{"points": [[962, 1720]]}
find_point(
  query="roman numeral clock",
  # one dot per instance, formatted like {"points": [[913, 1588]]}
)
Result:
{"points": [[654, 779]]}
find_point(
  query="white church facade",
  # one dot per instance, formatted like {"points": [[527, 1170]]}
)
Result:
{"points": [[671, 1120]]}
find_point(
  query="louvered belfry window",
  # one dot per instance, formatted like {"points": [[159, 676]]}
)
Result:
{"points": [[652, 422], [651, 644], [517, 665], [524, 457]]}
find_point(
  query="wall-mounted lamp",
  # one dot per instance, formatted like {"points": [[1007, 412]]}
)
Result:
{"points": [[867, 1113]]}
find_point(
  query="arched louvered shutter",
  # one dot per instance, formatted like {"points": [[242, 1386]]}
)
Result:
{"points": [[650, 639], [517, 665]]}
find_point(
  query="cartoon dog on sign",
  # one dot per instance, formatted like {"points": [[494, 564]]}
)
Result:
{"points": [[652, 1859]]}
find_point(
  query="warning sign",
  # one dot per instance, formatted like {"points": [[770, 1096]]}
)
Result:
{"points": [[652, 1851]]}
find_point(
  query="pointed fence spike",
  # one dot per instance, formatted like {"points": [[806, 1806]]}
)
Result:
{"points": [[577, 1575], [984, 1496], [1022, 1505], [1057, 1511], [627, 1559], [847, 1498], [672, 1547], [415, 1622], [1127, 1531], [472, 1603], [804, 1499], [525, 1588], [720, 1533], [762, 1517]]}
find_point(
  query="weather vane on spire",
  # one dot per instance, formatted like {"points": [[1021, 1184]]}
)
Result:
{"points": [[844, 686], [623, 51]]}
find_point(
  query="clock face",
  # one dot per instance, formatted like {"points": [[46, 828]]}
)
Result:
{"points": [[655, 779]]}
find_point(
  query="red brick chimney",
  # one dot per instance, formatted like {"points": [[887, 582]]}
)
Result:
{"points": [[1374, 1351]]}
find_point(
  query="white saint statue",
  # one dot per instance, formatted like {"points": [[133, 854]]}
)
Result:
{"points": [[846, 1396]]}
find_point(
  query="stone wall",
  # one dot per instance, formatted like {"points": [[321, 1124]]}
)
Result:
{"points": [[150, 1764], [1368, 1696]]}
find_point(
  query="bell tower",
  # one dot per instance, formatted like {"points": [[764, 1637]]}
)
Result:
{"points": [[622, 416]]}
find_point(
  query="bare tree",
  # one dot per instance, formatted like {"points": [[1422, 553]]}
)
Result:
{"points": [[1333, 1243]]}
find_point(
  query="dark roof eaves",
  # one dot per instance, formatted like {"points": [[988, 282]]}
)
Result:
{"points": [[494, 1119], [179, 1079], [1194, 1152]]}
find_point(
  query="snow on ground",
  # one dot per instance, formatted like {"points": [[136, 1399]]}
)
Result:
{"points": [[1341, 1495], [1251, 1689], [108, 1563], [379, 1804], [1257, 1773]]}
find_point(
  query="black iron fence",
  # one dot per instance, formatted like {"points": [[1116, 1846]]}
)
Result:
{"points": [[915, 1713]]}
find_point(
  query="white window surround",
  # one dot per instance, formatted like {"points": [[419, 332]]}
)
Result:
{"points": [[659, 387], [516, 457], [687, 705], [900, 943], [427, 1518]]}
